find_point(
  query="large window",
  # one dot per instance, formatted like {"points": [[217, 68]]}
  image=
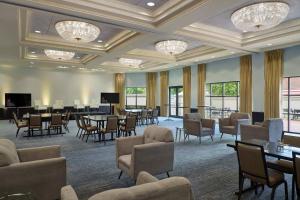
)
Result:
{"points": [[223, 98], [291, 104], [135, 97]]}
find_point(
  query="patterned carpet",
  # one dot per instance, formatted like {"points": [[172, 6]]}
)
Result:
{"points": [[91, 167]]}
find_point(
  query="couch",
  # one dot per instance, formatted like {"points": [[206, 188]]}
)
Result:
{"points": [[147, 188], [40, 171], [152, 152], [270, 130], [193, 124], [232, 124]]}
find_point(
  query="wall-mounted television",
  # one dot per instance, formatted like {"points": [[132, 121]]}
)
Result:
{"points": [[17, 100], [110, 97]]}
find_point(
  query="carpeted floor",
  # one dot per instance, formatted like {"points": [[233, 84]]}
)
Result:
{"points": [[91, 167]]}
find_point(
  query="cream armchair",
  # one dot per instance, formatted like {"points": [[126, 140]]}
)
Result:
{"points": [[153, 152], [193, 124], [147, 188], [232, 124], [40, 171], [270, 130]]}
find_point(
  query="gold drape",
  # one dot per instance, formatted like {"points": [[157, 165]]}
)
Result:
{"points": [[164, 85], [151, 89], [201, 88], [186, 89], [273, 78], [246, 84], [120, 88]]}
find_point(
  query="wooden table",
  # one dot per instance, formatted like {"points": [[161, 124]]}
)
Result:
{"points": [[44, 116], [100, 119]]}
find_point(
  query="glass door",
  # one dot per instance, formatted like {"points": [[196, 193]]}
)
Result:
{"points": [[176, 101]]}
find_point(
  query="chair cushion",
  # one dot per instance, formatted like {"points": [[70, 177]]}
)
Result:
{"points": [[8, 153], [274, 177], [125, 160], [157, 134]]}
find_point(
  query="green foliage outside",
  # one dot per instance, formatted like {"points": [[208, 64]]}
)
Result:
{"points": [[230, 89], [135, 90]]}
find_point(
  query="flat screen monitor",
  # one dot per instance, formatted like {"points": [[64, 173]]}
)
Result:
{"points": [[17, 100], [109, 97]]}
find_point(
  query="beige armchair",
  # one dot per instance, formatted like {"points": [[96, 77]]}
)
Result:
{"points": [[193, 124], [153, 152], [270, 130], [232, 124], [40, 171], [147, 188]]}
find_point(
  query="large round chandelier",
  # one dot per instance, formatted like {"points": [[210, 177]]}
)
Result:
{"points": [[260, 16], [171, 47], [59, 55], [135, 63], [76, 31]]}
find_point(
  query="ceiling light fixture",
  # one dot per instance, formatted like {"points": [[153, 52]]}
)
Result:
{"points": [[77, 31], [171, 47], [37, 31], [135, 63], [150, 4], [260, 16], [270, 44], [33, 52], [62, 67], [99, 41], [59, 55]]}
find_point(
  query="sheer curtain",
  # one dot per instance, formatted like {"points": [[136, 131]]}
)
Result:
{"points": [[164, 90], [120, 88], [151, 89], [186, 89], [201, 88], [246, 84]]}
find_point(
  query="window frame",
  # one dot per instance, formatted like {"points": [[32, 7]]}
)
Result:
{"points": [[136, 96]]}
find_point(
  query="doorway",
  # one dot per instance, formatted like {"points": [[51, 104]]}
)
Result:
{"points": [[176, 101]]}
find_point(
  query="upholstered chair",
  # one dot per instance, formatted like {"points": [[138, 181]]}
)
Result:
{"points": [[270, 130], [19, 123], [147, 188], [232, 124], [40, 171], [152, 152], [193, 124]]}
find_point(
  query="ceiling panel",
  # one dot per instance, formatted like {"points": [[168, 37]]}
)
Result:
{"points": [[143, 3]]}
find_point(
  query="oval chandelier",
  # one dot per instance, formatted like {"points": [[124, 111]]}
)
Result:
{"points": [[260, 16], [171, 47], [135, 63], [76, 31], [59, 55]]}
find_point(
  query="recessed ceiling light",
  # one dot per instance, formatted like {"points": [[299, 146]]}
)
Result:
{"points": [[73, 66], [213, 56], [245, 31], [78, 57], [37, 31], [31, 62], [99, 41], [150, 4], [270, 44], [232, 52], [33, 52], [81, 68], [62, 67]]}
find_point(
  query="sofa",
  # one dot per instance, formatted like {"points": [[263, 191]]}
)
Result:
{"points": [[40, 171], [194, 124], [270, 130], [231, 125], [147, 188], [152, 152]]}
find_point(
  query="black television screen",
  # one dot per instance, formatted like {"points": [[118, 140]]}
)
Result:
{"points": [[17, 100], [109, 97]]}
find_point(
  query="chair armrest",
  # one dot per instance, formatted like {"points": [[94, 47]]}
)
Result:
{"points": [[145, 177], [124, 146], [254, 132], [68, 193], [240, 122], [154, 158], [39, 153], [208, 123], [223, 122], [192, 126], [41, 177]]}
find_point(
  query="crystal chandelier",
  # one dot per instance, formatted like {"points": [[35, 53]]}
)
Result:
{"points": [[59, 55], [76, 31], [135, 63], [171, 47], [260, 16]]}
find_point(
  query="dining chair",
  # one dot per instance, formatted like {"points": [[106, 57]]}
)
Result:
{"points": [[65, 121], [296, 161], [55, 123], [87, 129], [253, 166], [35, 123], [79, 126], [129, 126], [111, 127], [154, 117], [144, 117], [19, 123]]}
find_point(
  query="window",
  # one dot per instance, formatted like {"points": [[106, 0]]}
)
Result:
{"points": [[223, 98], [135, 97], [291, 104]]}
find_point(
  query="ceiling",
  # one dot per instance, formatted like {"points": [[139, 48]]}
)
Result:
{"points": [[130, 29]]}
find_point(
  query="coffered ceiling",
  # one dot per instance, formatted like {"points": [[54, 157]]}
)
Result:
{"points": [[130, 29]]}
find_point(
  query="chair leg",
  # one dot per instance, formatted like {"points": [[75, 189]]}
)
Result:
{"points": [[293, 187], [212, 139], [121, 172], [221, 136], [273, 193], [88, 135], [241, 185], [286, 191], [168, 174], [77, 132], [17, 132], [134, 132]]}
